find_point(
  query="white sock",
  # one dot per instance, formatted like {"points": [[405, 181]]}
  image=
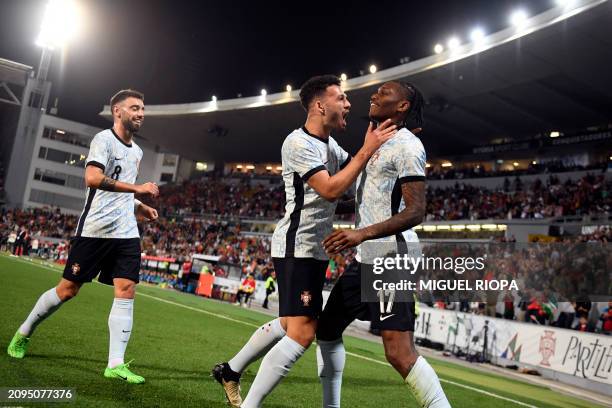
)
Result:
{"points": [[425, 385], [260, 342], [330, 361], [120, 329], [47, 303], [274, 367]]}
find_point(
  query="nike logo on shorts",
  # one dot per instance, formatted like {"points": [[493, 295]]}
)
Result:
{"points": [[383, 318]]}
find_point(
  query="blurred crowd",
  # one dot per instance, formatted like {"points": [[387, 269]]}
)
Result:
{"points": [[515, 200], [223, 198], [477, 171]]}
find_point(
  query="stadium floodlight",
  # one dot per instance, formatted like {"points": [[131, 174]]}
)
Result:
{"points": [[453, 43], [477, 35], [288, 88], [343, 77], [555, 134], [438, 48], [518, 18], [373, 69], [264, 92], [60, 24]]}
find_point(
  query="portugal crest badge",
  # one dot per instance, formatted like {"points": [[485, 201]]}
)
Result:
{"points": [[76, 268], [306, 298], [547, 347]]}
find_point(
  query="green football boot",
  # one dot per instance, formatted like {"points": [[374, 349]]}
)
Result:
{"points": [[18, 346], [122, 372]]}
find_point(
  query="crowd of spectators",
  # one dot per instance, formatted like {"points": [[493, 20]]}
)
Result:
{"points": [[515, 200], [210, 195], [2, 199], [478, 171]]}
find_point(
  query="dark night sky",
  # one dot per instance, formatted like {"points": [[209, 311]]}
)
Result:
{"points": [[185, 51]]}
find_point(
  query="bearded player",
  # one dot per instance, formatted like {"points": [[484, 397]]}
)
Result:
{"points": [[107, 241]]}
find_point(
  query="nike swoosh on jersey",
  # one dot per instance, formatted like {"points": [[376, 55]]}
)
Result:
{"points": [[382, 318]]}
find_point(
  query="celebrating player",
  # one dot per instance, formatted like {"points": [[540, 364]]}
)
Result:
{"points": [[107, 241], [316, 172], [390, 200]]}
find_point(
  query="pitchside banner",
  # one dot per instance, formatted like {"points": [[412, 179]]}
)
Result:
{"points": [[583, 355]]}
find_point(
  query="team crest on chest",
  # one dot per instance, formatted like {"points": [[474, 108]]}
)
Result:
{"points": [[306, 298]]}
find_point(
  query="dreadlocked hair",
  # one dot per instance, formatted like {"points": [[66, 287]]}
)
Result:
{"points": [[417, 104]]}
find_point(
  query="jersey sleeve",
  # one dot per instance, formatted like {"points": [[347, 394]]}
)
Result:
{"points": [[302, 157], [343, 157], [409, 160], [98, 153]]}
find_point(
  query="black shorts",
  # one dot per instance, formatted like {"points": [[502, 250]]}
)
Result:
{"points": [[109, 257], [344, 305], [300, 286]]}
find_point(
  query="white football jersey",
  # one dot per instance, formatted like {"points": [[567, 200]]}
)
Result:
{"points": [[110, 214]]}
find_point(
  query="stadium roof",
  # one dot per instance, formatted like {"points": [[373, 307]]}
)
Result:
{"points": [[553, 74], [12, 73]]}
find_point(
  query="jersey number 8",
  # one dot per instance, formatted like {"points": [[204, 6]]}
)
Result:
{"points": [[116, 173]]}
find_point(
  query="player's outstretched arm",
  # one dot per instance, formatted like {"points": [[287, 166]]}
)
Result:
{"points": [[95, 178], [333, 187], [413, 193]]}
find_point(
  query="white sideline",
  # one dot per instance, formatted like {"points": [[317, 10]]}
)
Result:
{"points": [[221, 316]]}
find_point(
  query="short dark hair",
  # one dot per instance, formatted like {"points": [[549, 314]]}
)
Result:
{"points": [[123, 94], [417, 103], [315, 86]]}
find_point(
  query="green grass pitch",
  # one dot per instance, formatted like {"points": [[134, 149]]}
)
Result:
{"points": [[176, 340]]}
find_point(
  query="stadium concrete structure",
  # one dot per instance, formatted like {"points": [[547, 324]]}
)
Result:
{"points": [[551, 74], [46, 154]]}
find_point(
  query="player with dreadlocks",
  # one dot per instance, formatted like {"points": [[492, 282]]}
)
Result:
{"points": [[389, 201]]}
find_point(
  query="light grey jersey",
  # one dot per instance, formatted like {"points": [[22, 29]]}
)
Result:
{"points": [[108, 214], [308, 216], [379, 189]]}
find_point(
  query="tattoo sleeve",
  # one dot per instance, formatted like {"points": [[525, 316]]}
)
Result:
{"points": [[413, 193], [107, 184]]}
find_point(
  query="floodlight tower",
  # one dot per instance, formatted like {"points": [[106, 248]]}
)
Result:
{"points": [[59, 26]]}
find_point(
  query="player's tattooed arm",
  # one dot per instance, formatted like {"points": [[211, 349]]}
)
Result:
{"points": [[95, 178], [107, 184], [413, 193]]}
